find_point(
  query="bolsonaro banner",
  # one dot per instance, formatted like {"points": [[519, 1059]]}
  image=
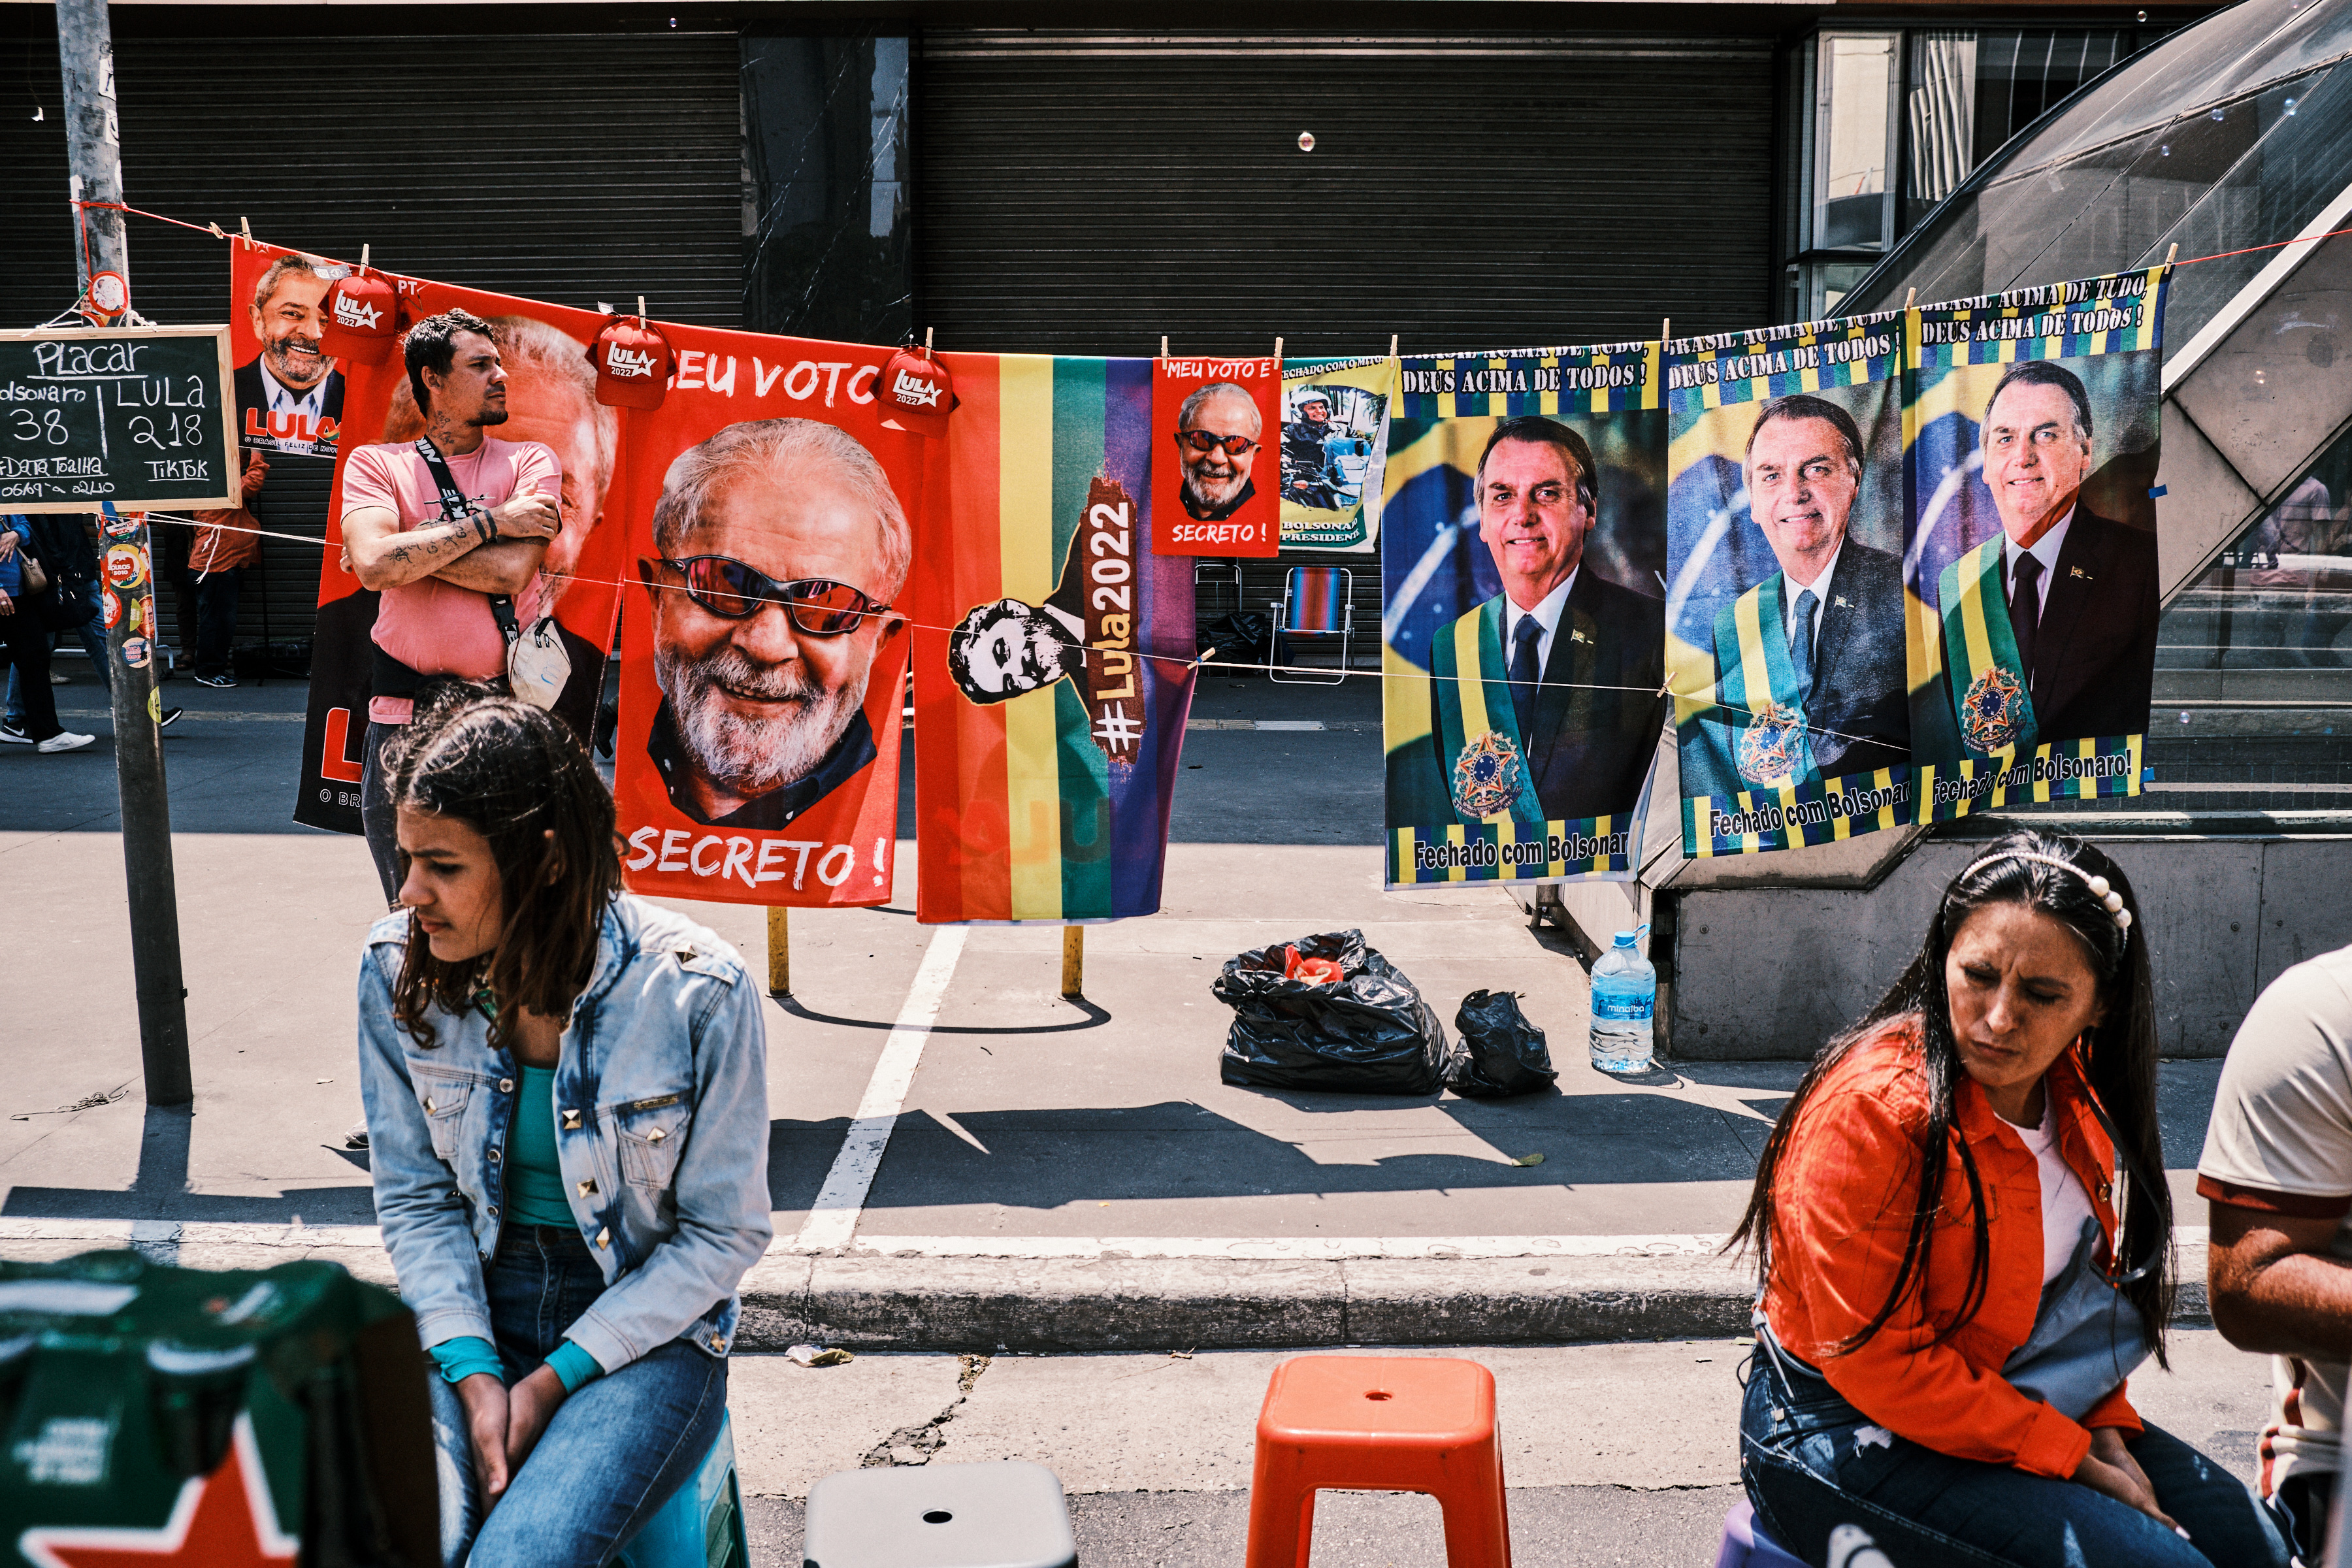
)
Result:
{"points": [[2030, 426]]}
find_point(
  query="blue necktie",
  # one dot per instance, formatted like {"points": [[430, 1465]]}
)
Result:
{"points": [[1800, 646], [1525, 671]]}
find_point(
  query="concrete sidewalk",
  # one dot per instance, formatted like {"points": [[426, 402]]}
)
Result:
{"points": [[1058, 1176]]}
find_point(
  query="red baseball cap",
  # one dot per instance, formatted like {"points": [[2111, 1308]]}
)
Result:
{"points": [[363, 318], [634, 363], [915, 394]]}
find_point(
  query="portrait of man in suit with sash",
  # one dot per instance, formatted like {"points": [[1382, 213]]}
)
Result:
{"points": [[1544, 699], [2048, 629], [1808, 662]]}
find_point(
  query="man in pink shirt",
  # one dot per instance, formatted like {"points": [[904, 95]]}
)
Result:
{"points": [[439, 559]]}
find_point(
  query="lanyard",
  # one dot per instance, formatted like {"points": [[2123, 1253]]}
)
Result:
{"points": [[455, 506]]}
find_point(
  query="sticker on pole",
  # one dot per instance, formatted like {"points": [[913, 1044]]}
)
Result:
{"points": [[135, 652], [155, 706], [126, 566], [110, 606], [109, 297]]}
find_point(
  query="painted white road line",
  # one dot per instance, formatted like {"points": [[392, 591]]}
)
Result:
{"points": [[833, 1219]]}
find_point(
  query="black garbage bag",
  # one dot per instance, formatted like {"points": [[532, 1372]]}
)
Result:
{"points": [[1238, 638], [1500, 1052], [1367, 1033]]}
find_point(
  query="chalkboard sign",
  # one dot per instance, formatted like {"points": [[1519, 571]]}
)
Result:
{"points": [[140, 417]]}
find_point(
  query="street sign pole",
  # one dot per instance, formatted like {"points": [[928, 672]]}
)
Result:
{"points": [[86, 53]]}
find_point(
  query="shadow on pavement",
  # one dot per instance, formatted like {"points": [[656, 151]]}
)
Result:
{"points": [[160, 1191], [1047, 1159], [1095, 1017]]}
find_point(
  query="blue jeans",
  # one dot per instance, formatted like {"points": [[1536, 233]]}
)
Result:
{"points": [[1811, 1462], [614, 1452]]}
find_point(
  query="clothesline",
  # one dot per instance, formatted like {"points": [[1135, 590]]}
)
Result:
{"points": [[1197, 662], [245, 236]]}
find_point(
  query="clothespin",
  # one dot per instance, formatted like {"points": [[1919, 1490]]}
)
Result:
{"points": [[218, 233], [1666, 329], [2170, 254], [641, 312], [364, 257], [1277, 351], [1910, 299], [927, 342], [245, 226], [1392, 345], [1163, 345]]}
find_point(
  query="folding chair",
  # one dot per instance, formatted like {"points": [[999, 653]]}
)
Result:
{"points": [[1316, 602], [1220, 574]]}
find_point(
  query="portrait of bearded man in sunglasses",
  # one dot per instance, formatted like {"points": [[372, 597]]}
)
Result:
{"points": [[1217, 434], [781, 549]]}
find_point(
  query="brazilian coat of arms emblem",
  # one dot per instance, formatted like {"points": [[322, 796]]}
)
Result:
{"points": [[1772, 751], [1993, 714], [1486, 776]]}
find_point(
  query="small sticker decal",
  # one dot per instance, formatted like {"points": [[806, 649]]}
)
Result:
{"points": [[110, 606], [126, 566], [135, 652], [155, 706]]}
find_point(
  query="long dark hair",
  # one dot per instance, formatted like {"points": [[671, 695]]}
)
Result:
{"points": [[2118, 1059], [517, 775]]}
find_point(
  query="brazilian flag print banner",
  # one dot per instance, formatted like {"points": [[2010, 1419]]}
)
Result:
{"points": [[1784, 609], [1522, 539], [2030, 426]]}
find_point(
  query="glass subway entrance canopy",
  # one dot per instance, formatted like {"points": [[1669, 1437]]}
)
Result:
{"points": [[2232, 135]]}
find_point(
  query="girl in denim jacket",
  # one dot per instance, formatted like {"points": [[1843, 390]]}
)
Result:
{"points": [[567, 1114]]}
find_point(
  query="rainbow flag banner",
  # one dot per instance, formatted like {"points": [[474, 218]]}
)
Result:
{"points": [[1052, 650]]}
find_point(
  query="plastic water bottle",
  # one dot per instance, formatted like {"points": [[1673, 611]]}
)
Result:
{"points": [[1624, 1003]]}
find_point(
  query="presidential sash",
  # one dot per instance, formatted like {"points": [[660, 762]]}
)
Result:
{"points": [[1478, 740], [1983, 672], [1755, 687]]}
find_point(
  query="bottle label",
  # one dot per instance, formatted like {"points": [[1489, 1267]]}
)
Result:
{"points": [[1636, 1008]]}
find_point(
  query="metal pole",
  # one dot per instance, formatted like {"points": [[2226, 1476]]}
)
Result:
{"points": [[86, 53], [780, 950]]}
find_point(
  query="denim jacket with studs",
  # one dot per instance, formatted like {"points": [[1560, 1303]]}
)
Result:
{"points": [[661, 1113]]}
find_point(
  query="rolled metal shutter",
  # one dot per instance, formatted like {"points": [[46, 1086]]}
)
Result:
{"points": [[570, 168], [1085, 193]]}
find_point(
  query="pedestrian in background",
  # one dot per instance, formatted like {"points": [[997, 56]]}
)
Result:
{"points": [[1956, 1278], [227, 543], [2277, 1180], [61, 543], [566, 1100], [23, 598]]}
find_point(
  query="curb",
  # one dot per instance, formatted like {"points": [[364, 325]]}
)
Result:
{"points": [[866, 1301]]}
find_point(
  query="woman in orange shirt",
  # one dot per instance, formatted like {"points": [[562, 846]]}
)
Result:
{"points": [[1956, 1277]]}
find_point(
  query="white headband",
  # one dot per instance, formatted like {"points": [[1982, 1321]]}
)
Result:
{"points": [[2100, 887]]}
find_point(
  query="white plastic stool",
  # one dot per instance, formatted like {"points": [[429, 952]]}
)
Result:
{"points": [[1009, 1515]]}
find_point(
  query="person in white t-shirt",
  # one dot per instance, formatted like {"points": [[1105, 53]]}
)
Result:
{"points": [[2277, 1180]]}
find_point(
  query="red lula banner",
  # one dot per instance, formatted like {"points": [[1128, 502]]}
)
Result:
{"points": [[755, 519], [1214, 488], [764, 648], [298, 405]]}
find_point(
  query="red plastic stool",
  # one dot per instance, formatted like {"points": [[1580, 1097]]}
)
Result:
{"points": [[1378, 1424]]}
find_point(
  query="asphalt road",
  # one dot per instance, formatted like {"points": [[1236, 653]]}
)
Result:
{"points": [[1613, 1454]]}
